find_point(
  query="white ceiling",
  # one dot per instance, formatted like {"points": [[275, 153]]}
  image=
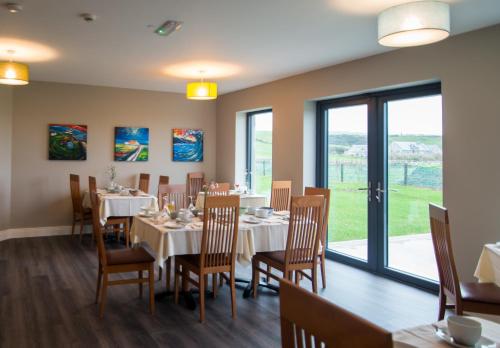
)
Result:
{"points": [[262, 40]]}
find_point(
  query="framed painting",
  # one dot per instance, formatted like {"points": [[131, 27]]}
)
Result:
{"points": [[67, 142], [131, 144], [187, 145]]}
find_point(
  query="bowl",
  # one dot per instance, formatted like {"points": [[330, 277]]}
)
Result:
{"points": [[134, 192], [264, 212], [464, 330]]}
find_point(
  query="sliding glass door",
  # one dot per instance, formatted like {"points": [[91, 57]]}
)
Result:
{"points": [[381, 155]]}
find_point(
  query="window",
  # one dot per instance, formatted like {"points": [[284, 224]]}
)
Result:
{"points": [[259, 151], [381, 156]]}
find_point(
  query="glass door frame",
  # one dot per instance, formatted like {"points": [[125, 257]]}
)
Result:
{"points": [[377, 172], [250, 146]]}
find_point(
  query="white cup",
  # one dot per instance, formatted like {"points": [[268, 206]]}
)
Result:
{"points": [[464, 330], [251, 210]]}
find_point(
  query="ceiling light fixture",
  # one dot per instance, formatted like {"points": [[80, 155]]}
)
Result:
{"points": [[12, 73], [414, 24], [13, 7], [201, 90], [168, 28]]}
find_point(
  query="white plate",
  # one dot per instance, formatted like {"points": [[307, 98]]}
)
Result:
{"points": [[144, 215], [173, 225], [482, 343], [249, 220]]}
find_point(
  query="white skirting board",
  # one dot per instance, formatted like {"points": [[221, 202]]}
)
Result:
{"points": [[28, 232]]}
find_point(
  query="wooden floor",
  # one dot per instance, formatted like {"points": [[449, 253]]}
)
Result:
{"points": [[47, 290]]}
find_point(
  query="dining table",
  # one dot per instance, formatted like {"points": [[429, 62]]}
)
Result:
{"points": [[247, 200], [488, 266], [120, 204], [425, 336]]}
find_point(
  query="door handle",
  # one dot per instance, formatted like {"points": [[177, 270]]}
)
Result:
{"points": [[379, 190], [368, 189]]}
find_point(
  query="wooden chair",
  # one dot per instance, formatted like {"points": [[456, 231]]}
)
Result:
{"points": [[304, 234], [164, 180], [80, 214], [144, 182], [120, 261], [221, 189], [472, 297], [194, 184], [308, 320], [281, 192], [115, 223], [315, 191], [218, 250], [173, 193]]}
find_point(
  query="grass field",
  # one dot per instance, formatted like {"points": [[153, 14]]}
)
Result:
{"points": [[408, 211]]}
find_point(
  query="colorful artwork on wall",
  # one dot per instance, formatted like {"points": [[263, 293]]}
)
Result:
{"points": [[187, 145], [67, 142], [131, 144]]}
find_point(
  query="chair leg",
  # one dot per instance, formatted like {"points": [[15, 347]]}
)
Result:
{"points": [[160, 273], [126, 231], [103, 294], [297, 278], [442, 305], [255, 278], [268, 279], [323, 269], [167, 275], [151, 273], [82, 221], [215, 279], [176, 283], [99, 277], [202, 297], [140, 284], [314, 273], [233, 294], [221, 280], [73, 226]]}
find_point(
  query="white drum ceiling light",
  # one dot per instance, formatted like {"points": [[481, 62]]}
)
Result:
{"points": [[414, 24]]}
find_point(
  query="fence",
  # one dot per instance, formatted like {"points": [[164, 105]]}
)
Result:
{"points": [[418, 174]]}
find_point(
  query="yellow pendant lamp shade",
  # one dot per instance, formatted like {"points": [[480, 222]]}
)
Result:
{"points": [[12, 73], [201, 90]]}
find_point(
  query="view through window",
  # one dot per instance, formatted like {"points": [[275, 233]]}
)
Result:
{"points": [[260, 151]]}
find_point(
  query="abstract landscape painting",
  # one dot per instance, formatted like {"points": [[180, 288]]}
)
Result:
{"points": [[187, 145], [131, 144], [67, 142]]}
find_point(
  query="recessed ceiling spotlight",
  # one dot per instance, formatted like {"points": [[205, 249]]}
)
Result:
{"points": [[168, 27], [13, 7], [88, 17]]}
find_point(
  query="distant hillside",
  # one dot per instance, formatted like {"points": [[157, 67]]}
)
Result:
{"points": [[358, 139]]}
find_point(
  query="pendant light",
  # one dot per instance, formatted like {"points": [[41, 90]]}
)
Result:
{"points": [[13, 73], [414, 24], [201, 90]]}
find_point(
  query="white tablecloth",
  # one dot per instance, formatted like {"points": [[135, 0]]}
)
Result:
{"points": [[113, 204], [488, 266], [270, 235], [246, 200], [425, 336]]}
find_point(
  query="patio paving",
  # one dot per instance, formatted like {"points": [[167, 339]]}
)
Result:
{"points": [[411, 253]]}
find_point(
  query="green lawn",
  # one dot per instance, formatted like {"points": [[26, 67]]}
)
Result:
{"points": [[408, 211]]}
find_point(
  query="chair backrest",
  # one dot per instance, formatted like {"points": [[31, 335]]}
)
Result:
{"points": [[220, 231], [194, 184], [97, 228], [173, 193], [164, 180], [320, 191], [441, 240], [221, 189], [76, 198], [144, 182], [308, 320], [281, 192], [92, 185], [304, 230]]}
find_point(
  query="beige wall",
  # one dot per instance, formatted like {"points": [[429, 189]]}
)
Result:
{"points": [[40, 188], [468, 66], [5, 154]]}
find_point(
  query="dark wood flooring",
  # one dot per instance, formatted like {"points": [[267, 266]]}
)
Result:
{"points": [[47, 290]]}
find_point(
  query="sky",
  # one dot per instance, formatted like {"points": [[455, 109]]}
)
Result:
{"points": [[422, 116]]}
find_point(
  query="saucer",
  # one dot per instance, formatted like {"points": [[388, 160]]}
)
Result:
{"points": [[251, 220], [482, 343], [145, 215], [173, 225]]}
